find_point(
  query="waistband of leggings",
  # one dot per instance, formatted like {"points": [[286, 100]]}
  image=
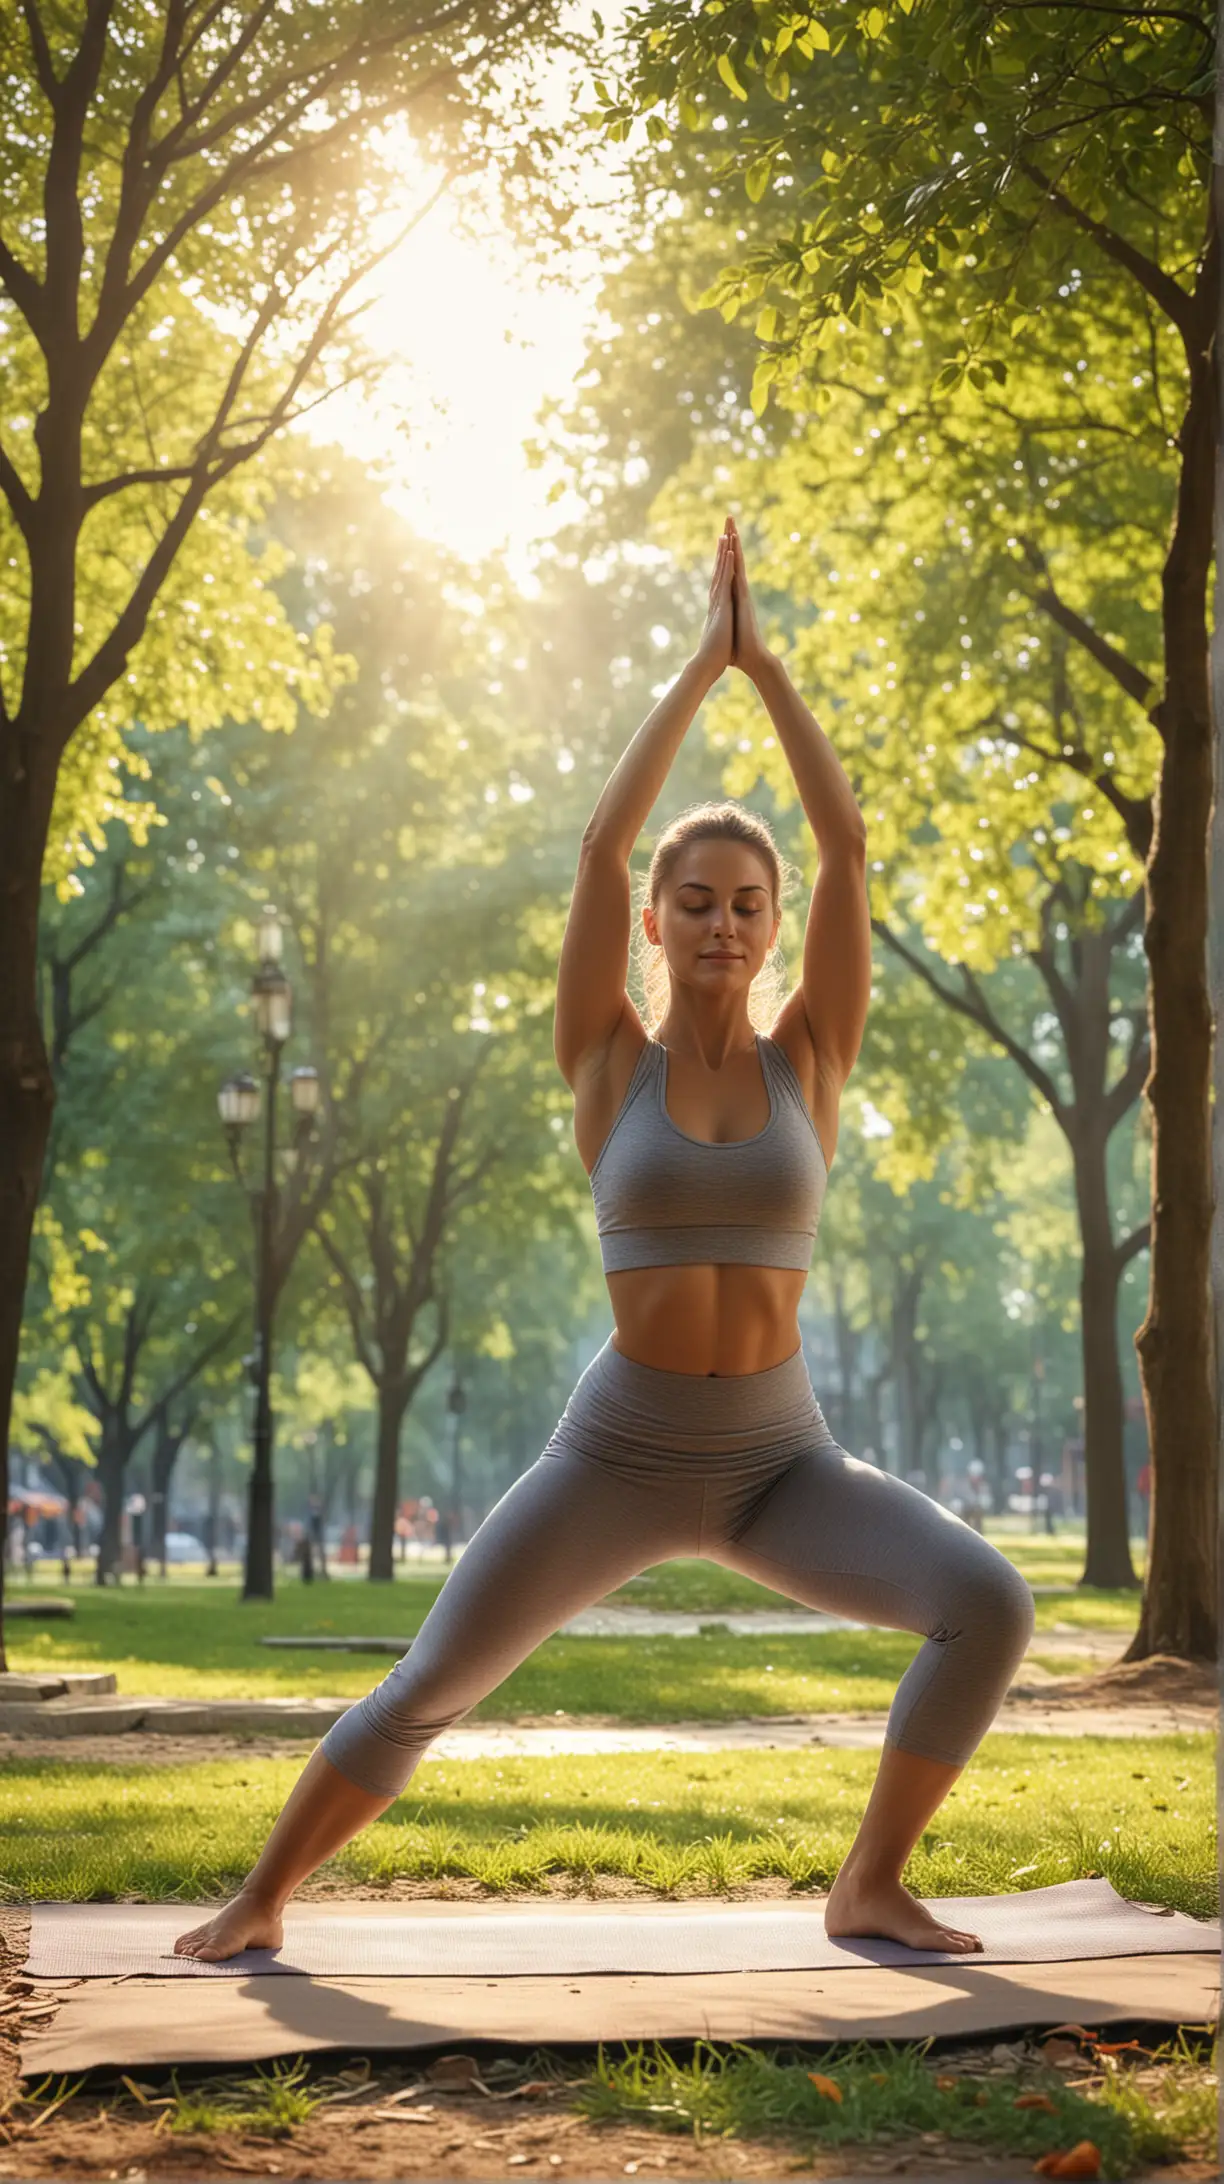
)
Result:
{"points": [[717, 1405]]}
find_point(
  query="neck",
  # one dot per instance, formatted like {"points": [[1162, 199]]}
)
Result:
{"points": [[713, 1044]]}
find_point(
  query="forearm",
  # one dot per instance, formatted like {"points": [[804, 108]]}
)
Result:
{"points": [[823, 784], [324, 1811], [637, 779]]}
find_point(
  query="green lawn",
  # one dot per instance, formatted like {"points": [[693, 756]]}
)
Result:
{"points": [[189, 1638], [1027, 1812]]}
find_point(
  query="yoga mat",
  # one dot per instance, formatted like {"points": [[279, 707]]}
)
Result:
{"points": [[1072, 1920], [125, 2024]]}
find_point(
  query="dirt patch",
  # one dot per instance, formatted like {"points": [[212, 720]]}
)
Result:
{"points": [[1160, 1680]]}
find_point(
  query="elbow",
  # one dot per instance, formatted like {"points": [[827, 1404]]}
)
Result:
{"points": [[599, 840], [849, 836]]}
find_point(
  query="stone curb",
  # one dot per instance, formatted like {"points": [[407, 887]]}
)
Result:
{"points": [[177, 1717], [53, 1683]]}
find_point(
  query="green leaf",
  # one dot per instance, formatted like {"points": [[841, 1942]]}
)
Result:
{"points": [[729, 77], [817, 37], [756, 180], [767, 323], [762, 380], [874, 22]]}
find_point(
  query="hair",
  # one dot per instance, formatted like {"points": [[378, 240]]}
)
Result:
{"points": [[727, 821]]}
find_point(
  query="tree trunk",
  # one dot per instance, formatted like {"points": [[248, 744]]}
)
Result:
{"points": [[1174, 1344], [113, 1453], [27, 1089], [214, 1504], [997, 1461], [873, 1405], [1108, 1560], [165, 1456], [907, 1288], [392, 1403], [847, 1341]]}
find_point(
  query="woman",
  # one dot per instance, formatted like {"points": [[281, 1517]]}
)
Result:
{"points": [[696, 1431]]}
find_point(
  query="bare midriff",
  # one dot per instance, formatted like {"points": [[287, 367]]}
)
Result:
{"points": [[707, 1319]]}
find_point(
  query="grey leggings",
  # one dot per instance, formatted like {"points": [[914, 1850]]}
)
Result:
{"points": [[645, 1465]]}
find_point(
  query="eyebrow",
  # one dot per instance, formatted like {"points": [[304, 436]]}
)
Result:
{"points": [[749, 887]]}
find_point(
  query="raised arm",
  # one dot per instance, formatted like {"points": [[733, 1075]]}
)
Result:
{"points": [[836, 984], [593, 970]]}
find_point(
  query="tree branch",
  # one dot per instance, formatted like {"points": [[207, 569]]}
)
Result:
{"points": [[978, 1010], [1132, 1245], [1161, 287]]}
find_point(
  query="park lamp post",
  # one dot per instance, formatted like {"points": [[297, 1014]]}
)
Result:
{"points": [[238, 1102]]}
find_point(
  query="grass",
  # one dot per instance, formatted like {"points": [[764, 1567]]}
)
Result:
{"points": [[200, 1640], [842, 2096], [1028, 1812]]}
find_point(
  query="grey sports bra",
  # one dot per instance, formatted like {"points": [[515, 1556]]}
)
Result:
{"points": [[663, 1198]]}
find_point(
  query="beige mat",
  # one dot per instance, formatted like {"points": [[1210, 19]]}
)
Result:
{"points": [[1068, 1922], [125, 2023]]}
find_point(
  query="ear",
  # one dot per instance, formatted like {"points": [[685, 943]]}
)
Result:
{"points": [[651, 924]]}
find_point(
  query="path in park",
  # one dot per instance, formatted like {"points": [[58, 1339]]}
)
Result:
{"points": [[237, 1730]]}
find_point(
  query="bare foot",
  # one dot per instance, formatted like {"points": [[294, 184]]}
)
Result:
{"points": [[886, 1909], [246, 1923]]}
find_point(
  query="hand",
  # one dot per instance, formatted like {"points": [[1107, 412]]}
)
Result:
{"points": [[716, 648], [749, 650]]}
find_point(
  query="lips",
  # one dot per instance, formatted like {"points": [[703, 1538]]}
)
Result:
{"points": [[718, 957]]}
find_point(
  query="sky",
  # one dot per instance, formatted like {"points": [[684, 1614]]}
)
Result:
{"points": [[447, 311]]}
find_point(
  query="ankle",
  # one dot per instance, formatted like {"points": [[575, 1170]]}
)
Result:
{"points": [[261, 1897], [868, 1870]]}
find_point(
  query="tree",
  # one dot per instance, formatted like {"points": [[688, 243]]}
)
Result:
{"points": [[161, 183], [990, 155]]}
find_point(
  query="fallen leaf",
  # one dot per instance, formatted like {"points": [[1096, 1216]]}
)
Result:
{"points": [[828, 2086], [454, 2071], [946, 2085], [1035, 2100], [1082, 2160], [1060, 2052]]}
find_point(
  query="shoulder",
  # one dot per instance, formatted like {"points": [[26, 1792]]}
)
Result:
{"points": [[820, 1080]]}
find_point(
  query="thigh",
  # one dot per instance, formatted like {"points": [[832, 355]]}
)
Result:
{"points": [[842, 1536], [567, 1532]]}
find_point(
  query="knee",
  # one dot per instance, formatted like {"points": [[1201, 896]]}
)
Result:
{"points": [[998, 1604]]}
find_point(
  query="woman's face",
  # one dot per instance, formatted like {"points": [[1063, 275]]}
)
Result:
{"points": [[715, 919]]}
